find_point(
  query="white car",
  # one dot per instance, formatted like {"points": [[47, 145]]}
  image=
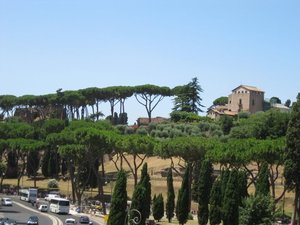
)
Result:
{"points": [[43, 208], [70, 221], [6, 201]]}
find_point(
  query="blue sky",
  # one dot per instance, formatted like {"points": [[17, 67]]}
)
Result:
{"points": [[47, 45]]}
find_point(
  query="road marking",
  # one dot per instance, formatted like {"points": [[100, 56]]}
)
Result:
{"points": [[55, 220]]}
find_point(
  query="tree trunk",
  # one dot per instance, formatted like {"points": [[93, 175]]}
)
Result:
{"points": [[1, 183], [101, 186], [71, 171], [34, 180], [79, 195], [296, 214], [97, 109], [82, 112], [149, 116]]}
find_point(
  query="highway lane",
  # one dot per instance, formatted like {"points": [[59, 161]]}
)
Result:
{"points": [[21, 214], [53, 219]]}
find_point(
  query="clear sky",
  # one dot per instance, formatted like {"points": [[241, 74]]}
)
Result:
{"points": [[50, 44]]}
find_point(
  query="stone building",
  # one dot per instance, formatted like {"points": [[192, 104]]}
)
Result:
{"points": [[246, 99], [243, 98]]}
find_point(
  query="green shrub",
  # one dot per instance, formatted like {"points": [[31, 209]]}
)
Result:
{"points": [[52, 183]]}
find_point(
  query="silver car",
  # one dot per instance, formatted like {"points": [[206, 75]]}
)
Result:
{"points": [[70, 221], [6, 202]]}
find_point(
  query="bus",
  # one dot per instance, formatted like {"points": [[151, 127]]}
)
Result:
{"points": [[29, 194], [59, 205]]}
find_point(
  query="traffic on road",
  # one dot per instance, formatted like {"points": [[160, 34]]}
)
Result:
{"points": [[23, 212]]}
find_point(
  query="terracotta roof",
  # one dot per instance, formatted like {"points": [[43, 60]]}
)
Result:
{"points": [[145, 120], [223, 112], [215, 111], [230, 113], [250, 88]]}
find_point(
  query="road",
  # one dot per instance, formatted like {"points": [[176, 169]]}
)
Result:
{"points": [[20, 211], [21, 214]]}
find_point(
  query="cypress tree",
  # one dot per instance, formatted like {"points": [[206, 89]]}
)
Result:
{"points": [[243, 182], [93, 174], [170, 206], [196, 172], [183, 199], [50, 165], [138, 203], [45, 163], [224, 180], [32, 163], [145, 182], [204, 188], [64, 167], [141, 198], [231, 200], [158, 207], [215, 203], [53, 164], [118, 209], [12, 165], [263, 185]]}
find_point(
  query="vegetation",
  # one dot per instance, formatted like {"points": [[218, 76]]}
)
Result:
{"points": [[118, 210], [257, 209], [262, 184], [292, 164], [183, 205], [158, 207], [188, 97], [215, 203], [231, 200], [53, 184], [170, 205], [62, 134], [205, 182], [221, 101]]}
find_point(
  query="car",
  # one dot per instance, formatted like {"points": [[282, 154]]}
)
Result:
{"points": [[43, 208], [6, 202], [70, 221], [85, 220], [33, 220], [7, 221]]}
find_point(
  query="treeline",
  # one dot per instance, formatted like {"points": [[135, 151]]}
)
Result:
{"points": [[75, 104]]}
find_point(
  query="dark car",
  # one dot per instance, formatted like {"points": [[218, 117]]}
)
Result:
{"points": [[33, 220], [85, 220]]}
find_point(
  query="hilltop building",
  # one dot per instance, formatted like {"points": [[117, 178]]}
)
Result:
{"points": [[243, 98]]}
